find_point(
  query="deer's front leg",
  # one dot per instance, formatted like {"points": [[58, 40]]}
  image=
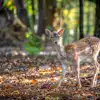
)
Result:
{"points": [[77, 59], [63, 74], [96, 68]]}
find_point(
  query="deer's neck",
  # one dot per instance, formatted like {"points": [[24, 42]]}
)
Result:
{"points": [[60, 51]]}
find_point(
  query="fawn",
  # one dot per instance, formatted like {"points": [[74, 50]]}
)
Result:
{"points": [[75, 53]]}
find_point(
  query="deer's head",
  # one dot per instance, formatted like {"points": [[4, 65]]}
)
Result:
{"points": [[55, 35]]}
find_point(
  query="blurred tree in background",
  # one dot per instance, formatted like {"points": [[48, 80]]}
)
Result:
{"points": [[21, 11], [97, 19], [41, 20], [79, 18], [50, 10], [81, 4]]}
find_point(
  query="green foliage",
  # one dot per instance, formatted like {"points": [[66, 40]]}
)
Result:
{"points": [[31, 12], [29, 7], [68, 10], [70, 14], [9, 4], [33, 44]]}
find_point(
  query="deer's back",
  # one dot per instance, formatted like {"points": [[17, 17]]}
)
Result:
{"points": [[83, 47]]}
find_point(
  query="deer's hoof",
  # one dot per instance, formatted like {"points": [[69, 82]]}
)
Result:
{"points": [[58, 85], [93, 85], [79, 85]]}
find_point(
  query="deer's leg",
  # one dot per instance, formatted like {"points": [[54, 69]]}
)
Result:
{"points": [[77, 59], [63, 74], [95, 54], [73, 69], [78, 72]]}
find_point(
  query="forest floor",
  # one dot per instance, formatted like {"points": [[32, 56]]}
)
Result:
{"points": [[21, 80]]}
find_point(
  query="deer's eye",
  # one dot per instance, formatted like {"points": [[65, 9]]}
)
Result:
{"points": [[55, 35]]}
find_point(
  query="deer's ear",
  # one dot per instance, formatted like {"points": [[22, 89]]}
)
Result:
{"points": [[47, 32], [60, 32]]}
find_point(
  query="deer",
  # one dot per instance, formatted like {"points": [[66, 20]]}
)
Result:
{"points": [[75, 52]]}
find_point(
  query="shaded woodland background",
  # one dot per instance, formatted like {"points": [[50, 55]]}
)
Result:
{"points": [[27, 20], [22, 32]]}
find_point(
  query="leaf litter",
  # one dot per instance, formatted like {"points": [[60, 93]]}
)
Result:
{"points": [[34, 78]]}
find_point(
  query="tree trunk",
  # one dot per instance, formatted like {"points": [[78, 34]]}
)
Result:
{"points": [[97, 23], [50, 11], [6, 16], [21, 11], [41, 21], [88, 19], [33, 16], [81, 19], [1, 4]]}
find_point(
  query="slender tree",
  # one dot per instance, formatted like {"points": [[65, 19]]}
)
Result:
{"points": [[88, 19], [97, 20], [41, 21], [6, 14], [1, 4], [81, 19], [33, 3], [21, 11], [50, 11]]}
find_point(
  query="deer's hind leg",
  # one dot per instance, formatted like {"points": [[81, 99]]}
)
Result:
{"points": [[78, 72], [95, 55], [77, 60]]}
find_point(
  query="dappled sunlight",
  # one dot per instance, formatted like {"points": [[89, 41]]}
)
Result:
{"points": [[42, 80], [44, 49]]}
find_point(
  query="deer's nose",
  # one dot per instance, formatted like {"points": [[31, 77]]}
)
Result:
{"points": [[55, 42]]}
